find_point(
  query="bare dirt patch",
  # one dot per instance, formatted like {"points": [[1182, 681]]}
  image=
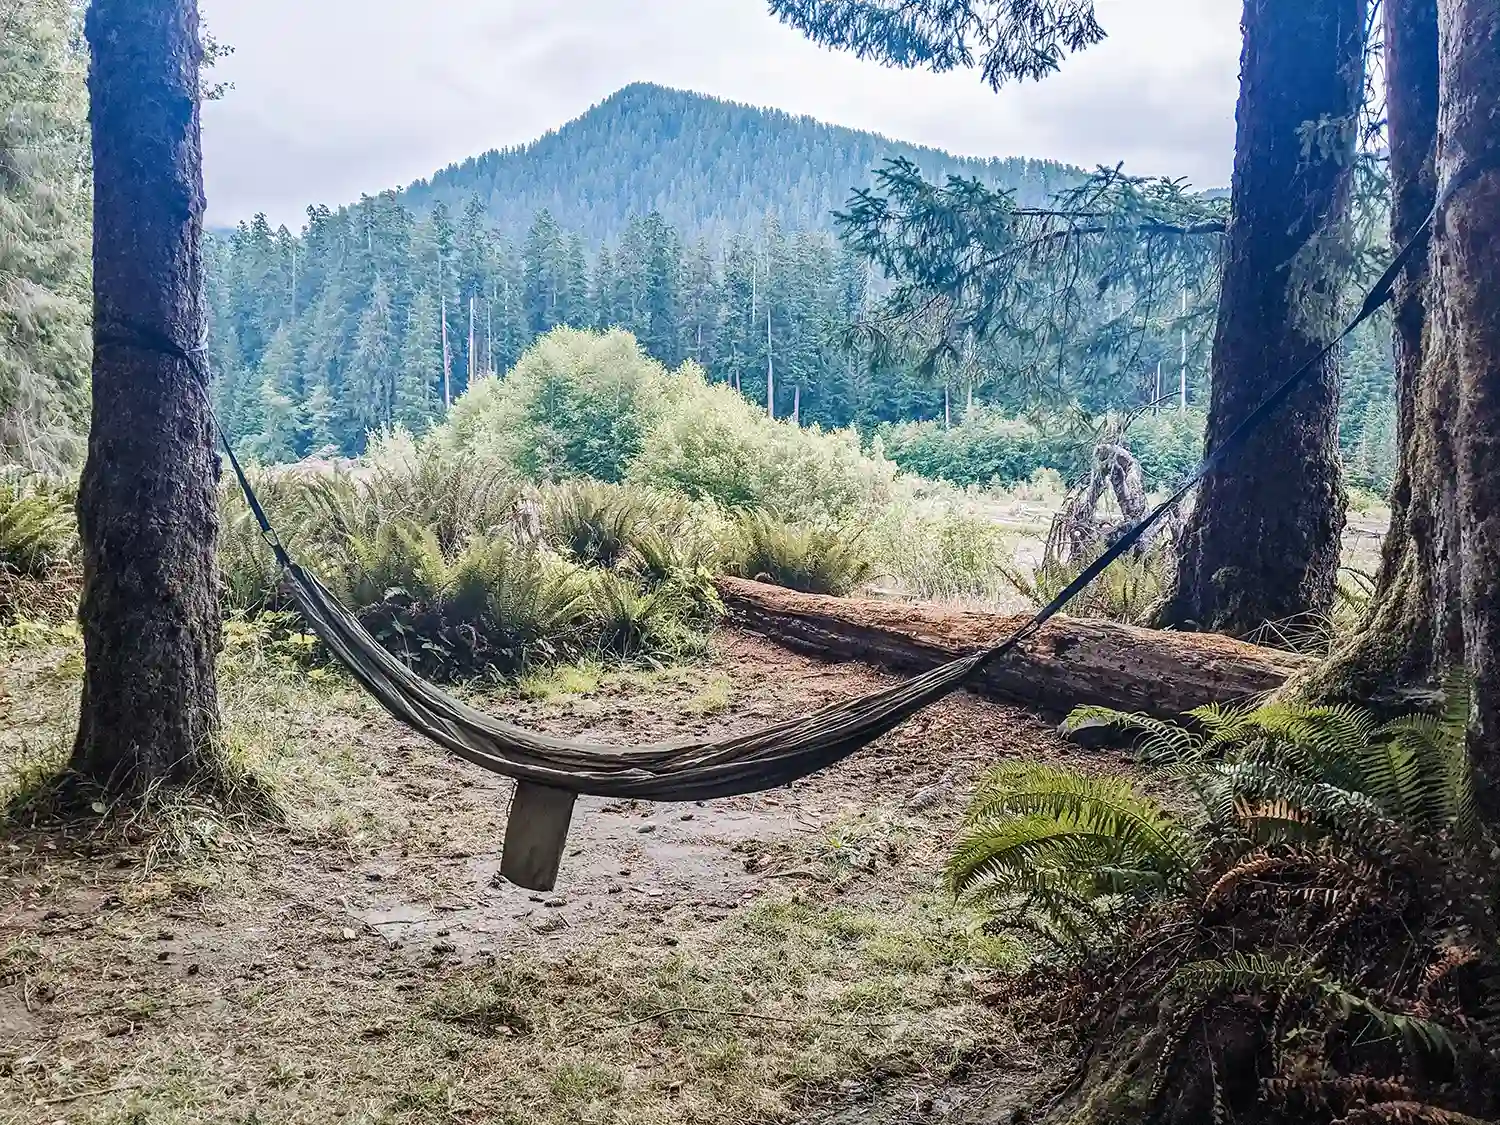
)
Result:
{"points": [[788, 955]]}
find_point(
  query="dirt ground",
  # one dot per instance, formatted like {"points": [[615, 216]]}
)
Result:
{"points": [[784, 956]]}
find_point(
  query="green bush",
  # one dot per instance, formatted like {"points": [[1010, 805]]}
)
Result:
{"points": [[714, 445], [577, 404], [810, 558], [584, 404], [987, 448]]}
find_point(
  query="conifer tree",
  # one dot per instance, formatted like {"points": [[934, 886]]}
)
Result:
{"points": [[370, 382], [421, 365]]}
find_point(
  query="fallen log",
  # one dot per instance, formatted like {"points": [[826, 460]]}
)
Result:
{"points": [[1071, 661]]}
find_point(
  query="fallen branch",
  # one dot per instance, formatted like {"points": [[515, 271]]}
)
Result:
{"points": [[1072, 661]]}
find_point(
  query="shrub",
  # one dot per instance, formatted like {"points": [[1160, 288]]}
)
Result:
{"points": [[989, 448], [715, 445], [577, 404], [815, 560], [585, 404]]}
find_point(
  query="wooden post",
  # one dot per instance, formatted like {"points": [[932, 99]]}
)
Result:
{"points": [[535, 835]]}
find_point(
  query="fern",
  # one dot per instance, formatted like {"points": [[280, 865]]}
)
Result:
{"points": [[36, 528], [592, 523], [1158, 742], [1283, 771], [1242, 973], [815, 560], [1064, 854]]}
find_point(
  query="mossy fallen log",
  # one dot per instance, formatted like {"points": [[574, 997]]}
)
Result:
{"points": [[1072, 661]]}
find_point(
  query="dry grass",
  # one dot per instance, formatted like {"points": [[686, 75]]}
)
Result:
{"points": [[234, 980]]}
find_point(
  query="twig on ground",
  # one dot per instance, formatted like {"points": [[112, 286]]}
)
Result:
{"points": [[60, 1099], [729, 1014]]}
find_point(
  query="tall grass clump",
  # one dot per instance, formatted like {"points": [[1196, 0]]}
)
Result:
{"points": [[937, 543]]}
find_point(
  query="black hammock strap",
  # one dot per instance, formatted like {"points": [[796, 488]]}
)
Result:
{"points": [[696, 769]]}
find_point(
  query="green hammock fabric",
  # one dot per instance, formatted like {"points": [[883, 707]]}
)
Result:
{"points": [[686, 770]]}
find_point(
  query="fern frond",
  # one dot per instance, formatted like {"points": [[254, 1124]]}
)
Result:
{"points": [[1406, 1113], [1107, 808], [1158, 741]]}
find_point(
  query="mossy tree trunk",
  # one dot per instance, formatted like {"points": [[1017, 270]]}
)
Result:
{"points": [[1262, 543], [1437, 602], [146, 508]]}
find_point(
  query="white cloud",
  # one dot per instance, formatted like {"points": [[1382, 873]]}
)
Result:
{"points": [[336, 97]]}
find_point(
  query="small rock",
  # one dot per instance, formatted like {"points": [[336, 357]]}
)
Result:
{"points": [[194, 969], [164, 955], [556, 901], [537, 898], [686, 816], [443, 947], [347, 934], [645, 828], [443, 933], [614, 889], [374, 876], [625, 871]]}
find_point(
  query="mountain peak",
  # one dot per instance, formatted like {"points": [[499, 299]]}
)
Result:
{"points": [[711, 167]]}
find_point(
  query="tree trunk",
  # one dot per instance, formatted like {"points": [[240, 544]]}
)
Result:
{"points": [[1438, 603], [1263, 541], [147, 514], [1412, 627], [1072, 661], [1465, 333]]}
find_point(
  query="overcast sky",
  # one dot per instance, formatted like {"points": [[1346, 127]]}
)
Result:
{"points": [[338, 97]]}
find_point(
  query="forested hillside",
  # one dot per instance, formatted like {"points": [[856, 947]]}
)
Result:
{"points": [[707, 166]]}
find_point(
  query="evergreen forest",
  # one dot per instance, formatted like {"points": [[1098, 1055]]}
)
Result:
{"points": [[380, 313]]}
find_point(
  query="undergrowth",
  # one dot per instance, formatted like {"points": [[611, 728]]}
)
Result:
{"points": [[1307, 940]]}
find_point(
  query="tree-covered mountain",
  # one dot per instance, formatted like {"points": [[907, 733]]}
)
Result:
{"points": [[709, 167]]}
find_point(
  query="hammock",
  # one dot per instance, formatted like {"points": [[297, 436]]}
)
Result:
{"points": [[684, 770], [552, 771]]}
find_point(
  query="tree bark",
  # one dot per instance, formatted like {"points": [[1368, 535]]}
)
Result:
{"points": [[146, 508], [1262, 543], [1438, 602], [1412, 627], [1072, 661]]}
